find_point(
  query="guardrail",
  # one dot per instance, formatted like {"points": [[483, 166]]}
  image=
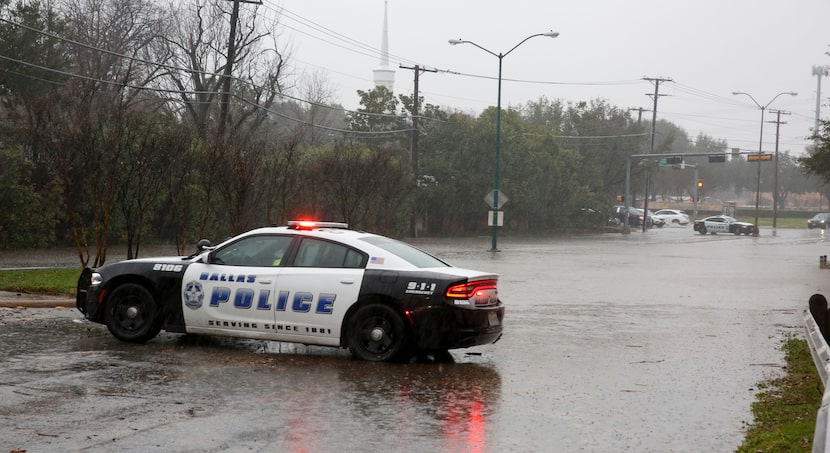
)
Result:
{"points": [[816, 321]]}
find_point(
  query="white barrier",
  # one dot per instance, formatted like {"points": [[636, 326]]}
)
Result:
{"points": [[821, 357]]}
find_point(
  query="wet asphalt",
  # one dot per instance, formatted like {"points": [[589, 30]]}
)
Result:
{"points": [[649, 341]]}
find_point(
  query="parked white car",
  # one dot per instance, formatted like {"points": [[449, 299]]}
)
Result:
{"points": [[673, 216]]}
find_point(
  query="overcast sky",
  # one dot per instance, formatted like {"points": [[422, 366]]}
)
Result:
{"points": [[709, 48]]}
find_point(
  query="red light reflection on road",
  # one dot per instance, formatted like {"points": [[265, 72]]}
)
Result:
{"points": [[465, 422]]}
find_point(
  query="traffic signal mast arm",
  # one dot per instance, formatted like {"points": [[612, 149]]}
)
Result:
{"points": [[674, 156]]}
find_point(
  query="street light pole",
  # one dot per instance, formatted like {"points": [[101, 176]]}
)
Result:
{"points": [[500, 56], [761, 146]]}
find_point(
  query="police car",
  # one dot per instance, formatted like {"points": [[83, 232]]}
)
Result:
{"points": [[723, 224], [309, 282]]}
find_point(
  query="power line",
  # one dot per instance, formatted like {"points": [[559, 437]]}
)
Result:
{"points": [[161, 65], [240, 98]]}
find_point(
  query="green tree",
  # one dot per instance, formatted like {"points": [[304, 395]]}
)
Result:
{"points": [[791, 178], [28, 217], [149, 147], [604, 135], [454, 175], [79, 126], [29, 41], [361, 186], [817, 162], [378, 111]]}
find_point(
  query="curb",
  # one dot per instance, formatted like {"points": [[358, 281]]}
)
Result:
{"points": [[40, 303]]}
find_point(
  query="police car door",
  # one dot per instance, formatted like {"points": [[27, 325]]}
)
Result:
{"points": [[717, 225], [233, 294], [316, 290]]}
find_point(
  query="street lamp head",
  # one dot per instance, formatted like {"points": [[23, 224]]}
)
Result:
{"points": [[793, 93], [455, 42], [551, 34], [737, 92]]}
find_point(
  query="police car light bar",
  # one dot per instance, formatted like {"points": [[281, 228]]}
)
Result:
{"points": [[310, 224]]}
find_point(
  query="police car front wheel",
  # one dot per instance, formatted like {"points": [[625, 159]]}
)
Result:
{"points": [[377, 334], [132, 314]]}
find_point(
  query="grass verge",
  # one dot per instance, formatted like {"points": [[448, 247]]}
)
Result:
{"points": [[58, 282], [785, 410]]}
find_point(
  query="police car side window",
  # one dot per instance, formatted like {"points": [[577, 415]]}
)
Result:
{"points": [[317, 253], [261, 251], [354, 259]]}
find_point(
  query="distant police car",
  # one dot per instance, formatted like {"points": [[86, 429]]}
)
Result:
{"points": [[723, 224], [311, 283]]}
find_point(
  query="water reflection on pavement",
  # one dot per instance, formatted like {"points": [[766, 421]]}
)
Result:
{"points": [[641, 342]]}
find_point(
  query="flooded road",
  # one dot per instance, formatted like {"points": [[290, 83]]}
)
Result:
{"points": [[644, 342]]}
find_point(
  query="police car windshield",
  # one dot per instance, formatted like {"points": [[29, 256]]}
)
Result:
{"points": [[414, 256]]}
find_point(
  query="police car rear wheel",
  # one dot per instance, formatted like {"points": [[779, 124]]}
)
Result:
{"points": [[132, 314], [377, 334]]}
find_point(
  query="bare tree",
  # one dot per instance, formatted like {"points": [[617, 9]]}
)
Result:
{"points": [[198, 44], [318, 115], [80, 128]]}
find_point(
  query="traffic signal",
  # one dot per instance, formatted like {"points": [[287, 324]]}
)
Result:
{"points": [[699, 184]]}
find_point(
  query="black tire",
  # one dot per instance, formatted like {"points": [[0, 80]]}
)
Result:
{"points": [[702, 230], [132, 314], [377, 334]]}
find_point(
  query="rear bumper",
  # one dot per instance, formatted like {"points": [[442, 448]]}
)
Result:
{"points": [[441, 327]]}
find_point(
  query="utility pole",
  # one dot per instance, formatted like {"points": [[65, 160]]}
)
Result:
{"points": [[818, 71], [226, 76], [627, 196], [656, 81], [640, 111], [415, 133], [415, 113], [778, 124]]}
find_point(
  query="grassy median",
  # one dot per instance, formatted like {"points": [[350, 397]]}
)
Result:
{"points": [[55, 282]]}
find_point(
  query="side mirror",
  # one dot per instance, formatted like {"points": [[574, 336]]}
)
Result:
{"points": [[203, 245]]}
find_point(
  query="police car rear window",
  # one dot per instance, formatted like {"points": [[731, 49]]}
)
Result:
{"points": [[412, 255]]}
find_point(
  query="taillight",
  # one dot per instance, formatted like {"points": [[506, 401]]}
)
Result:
{"points": [[480, 292], [469, 289]]}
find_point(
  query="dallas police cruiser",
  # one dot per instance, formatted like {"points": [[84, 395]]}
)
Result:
{"points": [[315, 283]]}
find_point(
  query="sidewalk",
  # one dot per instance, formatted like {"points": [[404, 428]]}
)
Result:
{"points": [[24, 300]]}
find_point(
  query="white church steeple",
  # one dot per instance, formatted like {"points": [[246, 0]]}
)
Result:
{"points": [[383, 74]]}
